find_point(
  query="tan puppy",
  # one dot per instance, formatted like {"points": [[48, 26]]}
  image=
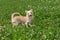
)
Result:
{"points": [[22, 19]]}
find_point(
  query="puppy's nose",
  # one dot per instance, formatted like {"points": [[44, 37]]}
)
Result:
{"points": [[30, 15]]}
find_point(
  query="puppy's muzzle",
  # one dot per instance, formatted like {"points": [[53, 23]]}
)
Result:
{"points": [[30, 15]]}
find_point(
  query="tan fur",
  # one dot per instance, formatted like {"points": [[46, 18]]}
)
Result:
{"points": [[22, 19]]}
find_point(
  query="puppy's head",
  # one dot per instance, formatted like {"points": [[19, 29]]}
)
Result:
{"points": [[29, 13]]}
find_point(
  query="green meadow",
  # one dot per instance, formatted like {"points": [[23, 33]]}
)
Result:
{"points": [[46, 20]]}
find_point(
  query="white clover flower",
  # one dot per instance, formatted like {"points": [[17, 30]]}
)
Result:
{"points": [[30, 39], [19, 39], [8, 34], [40, 32], [0, 34], [0, 28], [31, 35], [47, 39], [2, 38], [50, 32], [4, 26], [3, 30], [44, 36], [54, 39]]}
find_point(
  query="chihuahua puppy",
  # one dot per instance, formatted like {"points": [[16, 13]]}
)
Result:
{"points": [[22, 19]]}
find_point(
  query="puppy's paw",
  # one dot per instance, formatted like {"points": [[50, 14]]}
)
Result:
{"points": [[31, 25], [26, 26]]}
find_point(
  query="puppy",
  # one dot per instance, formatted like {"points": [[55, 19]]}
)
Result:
{"points": [[22, 19]]}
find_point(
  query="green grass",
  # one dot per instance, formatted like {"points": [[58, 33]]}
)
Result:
{"points": [[46, 18]]}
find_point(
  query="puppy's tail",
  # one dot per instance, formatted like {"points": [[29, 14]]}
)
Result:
{"points": [[13, 15]]}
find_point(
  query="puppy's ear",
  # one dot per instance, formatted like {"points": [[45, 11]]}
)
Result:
{"points": [[31, 9]]}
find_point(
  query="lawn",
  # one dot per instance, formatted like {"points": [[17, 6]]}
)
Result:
{"points": [[46, 20]]}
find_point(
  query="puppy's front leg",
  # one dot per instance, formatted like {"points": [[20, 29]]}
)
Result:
{"points": [[31, 25], [26, 24]]}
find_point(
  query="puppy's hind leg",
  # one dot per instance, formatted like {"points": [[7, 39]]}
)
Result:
{"points": [[15, 24]]}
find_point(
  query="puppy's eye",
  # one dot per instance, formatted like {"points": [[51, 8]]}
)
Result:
{"points": [[30, 12]]}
